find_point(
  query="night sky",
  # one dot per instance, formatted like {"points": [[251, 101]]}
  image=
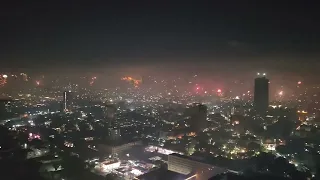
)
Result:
{"points": [[233, 37]]}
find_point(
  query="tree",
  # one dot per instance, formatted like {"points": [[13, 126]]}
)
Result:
{"points": [[281, 129], [190, 149], [72, 166], [262, 161], [13, 163], [112, 176], [253, 146], [56, 166], [317, 167], [90, 165], [281, 166]]}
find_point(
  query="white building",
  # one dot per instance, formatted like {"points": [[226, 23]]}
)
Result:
{"points": [[187, 165], [116, 149]]}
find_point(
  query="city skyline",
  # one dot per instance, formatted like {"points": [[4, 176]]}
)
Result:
{"points": [[149, 90]]}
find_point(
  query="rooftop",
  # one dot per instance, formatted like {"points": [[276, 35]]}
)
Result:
{"points": [[203, 160], [161, 174], [116, 142], [193, 158]]}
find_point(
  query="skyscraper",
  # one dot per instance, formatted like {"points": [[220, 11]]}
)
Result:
{"points": [[67, 101], [261, 93]]}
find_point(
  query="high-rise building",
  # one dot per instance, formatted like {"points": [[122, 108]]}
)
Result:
{"points": [[5, 108], [114, 134], [110, 113], [261, 94], [197, 117], [67, 101], [237, 109]]}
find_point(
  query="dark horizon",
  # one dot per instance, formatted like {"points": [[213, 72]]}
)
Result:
{"points": [[250, 37]]}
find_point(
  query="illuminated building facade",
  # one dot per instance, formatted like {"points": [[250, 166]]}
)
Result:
{"points": [[261, 94], [186, 165], [302, 115], [109, 165], [67, 101]]}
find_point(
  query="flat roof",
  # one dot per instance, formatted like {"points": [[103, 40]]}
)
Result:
{"points": [[201, 160], [162, 174], [107, 162], [252, 176], [116, 143], [193, 158]]}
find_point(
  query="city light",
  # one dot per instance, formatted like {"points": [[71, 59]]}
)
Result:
{"points": [[263, 74], [92, 80], [150, 91], [24, 76], [280, 93]]}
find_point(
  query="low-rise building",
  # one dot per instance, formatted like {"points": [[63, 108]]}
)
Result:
{"points": [[116, 148], [188, 165]]}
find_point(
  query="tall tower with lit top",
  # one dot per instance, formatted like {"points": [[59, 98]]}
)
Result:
{"points": [[261, 93]]}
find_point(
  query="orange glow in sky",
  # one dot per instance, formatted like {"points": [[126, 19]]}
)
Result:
{"points": [[3, 80], [136, 82]]}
